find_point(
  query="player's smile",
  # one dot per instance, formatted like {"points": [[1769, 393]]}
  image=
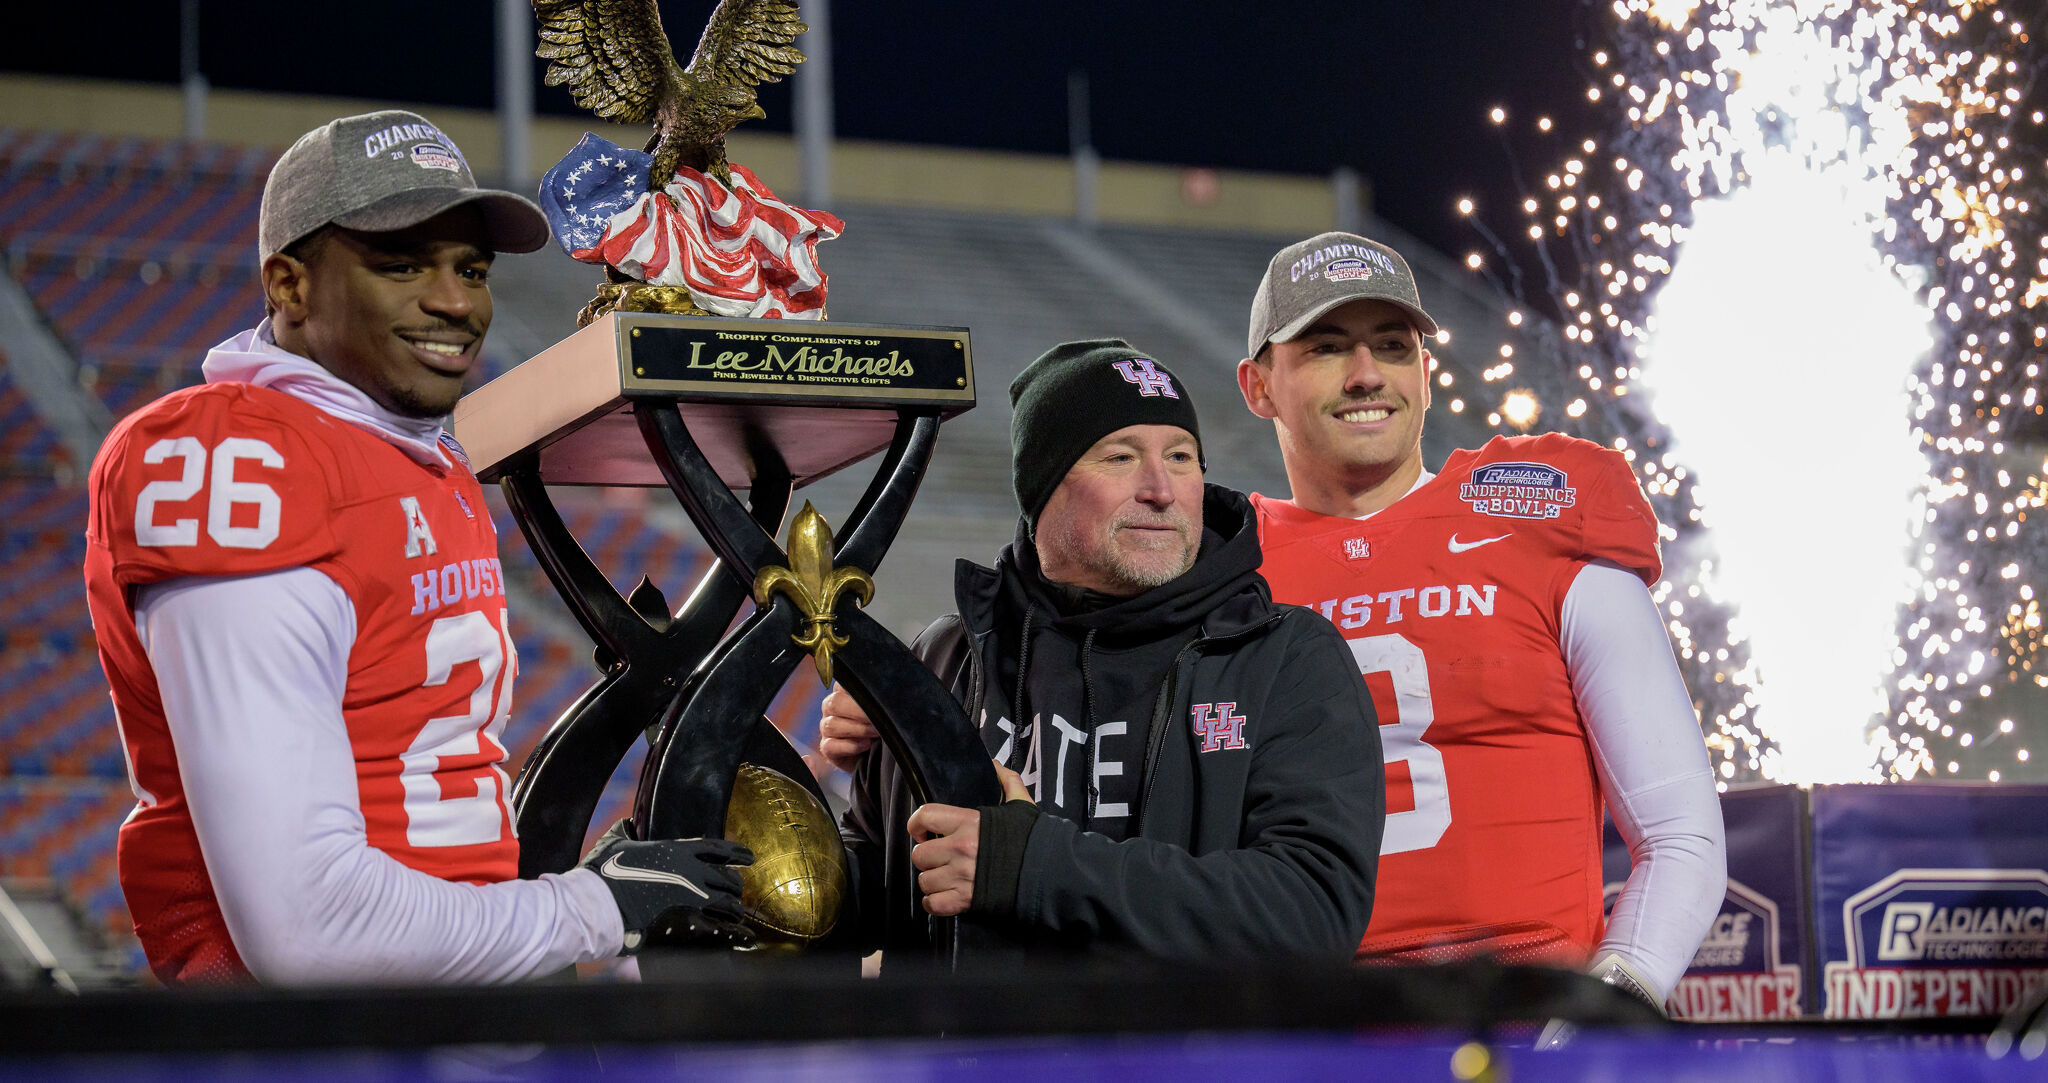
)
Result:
{"points": [[1370, 416], [450, 353]]}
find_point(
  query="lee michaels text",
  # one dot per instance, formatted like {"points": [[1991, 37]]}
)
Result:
{"points": [[802, 361]]}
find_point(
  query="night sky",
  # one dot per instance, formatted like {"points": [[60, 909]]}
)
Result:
{"points": [[1398, 90]]}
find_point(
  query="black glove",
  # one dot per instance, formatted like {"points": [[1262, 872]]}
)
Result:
{"points": [[675, 891]]}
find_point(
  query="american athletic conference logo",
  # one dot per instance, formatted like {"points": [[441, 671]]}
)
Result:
{"points": [[1219, 726], [1519, 490], [1145, 374]]}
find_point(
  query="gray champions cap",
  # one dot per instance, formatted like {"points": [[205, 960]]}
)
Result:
{"points": [[383, 171], [1309, 278]]}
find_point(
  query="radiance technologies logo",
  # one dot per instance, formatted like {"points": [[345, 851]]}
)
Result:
{"points": [[1941, 942]]}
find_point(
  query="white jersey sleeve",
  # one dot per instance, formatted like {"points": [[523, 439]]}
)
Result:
{"points": [[1653, 772], [251, 670]]}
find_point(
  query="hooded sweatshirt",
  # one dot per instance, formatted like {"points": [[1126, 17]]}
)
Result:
{"points": [[1079, 744], [1235, 731]]}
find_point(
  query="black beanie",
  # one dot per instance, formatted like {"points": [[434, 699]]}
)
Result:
{"points": [[1077, 393]]}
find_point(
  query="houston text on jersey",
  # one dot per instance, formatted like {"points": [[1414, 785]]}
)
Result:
{"points": [[453, 584], [1395, 606]]}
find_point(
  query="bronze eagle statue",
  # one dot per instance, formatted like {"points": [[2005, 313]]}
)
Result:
{"points": [[615, 59]]}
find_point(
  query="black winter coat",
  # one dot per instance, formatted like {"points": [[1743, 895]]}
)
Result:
{"points": [[1264, 851]]}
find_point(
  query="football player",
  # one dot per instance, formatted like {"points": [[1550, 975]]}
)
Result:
{"points": [[296, 593], [1499, 612]]}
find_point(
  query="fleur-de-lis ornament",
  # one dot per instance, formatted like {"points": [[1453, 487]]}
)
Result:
{"points": [[814, 585]]}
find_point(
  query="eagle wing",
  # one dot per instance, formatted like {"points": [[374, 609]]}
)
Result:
{"points": [[748, 42], [613, 54]]}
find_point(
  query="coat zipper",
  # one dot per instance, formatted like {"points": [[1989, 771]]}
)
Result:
{"points": [[1167, 697], [1160, 714], [977, 687]]}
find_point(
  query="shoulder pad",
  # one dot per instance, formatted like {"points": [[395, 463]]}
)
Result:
{"points": [[1601, 512]]}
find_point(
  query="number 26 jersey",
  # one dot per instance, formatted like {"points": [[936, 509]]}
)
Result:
{"points": [[230, 479], [1450, 601]]}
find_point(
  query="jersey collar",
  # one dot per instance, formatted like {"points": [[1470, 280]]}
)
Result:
{"points": [[254, 357], [1419, 483]]}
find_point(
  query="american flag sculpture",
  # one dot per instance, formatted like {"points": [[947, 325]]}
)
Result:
{"points": [[739, 250], [679, 228]]}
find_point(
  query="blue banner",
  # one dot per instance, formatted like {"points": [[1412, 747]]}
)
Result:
{"points": [[1930, 899]]}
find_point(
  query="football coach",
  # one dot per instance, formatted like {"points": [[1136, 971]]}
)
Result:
{"points": [[1191, 771]]}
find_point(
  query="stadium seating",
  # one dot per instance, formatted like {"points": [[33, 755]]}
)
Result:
{"points": [[133, 249], [61, 832], [28, 449]]}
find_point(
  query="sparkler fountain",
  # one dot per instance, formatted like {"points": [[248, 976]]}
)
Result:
{"points": [[1817, 250]]}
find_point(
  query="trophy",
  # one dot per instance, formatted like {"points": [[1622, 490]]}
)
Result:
{"points": [[704, 364]]}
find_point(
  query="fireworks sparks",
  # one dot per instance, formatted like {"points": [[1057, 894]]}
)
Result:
{"points": [[1812, 232], [1778, 326]]}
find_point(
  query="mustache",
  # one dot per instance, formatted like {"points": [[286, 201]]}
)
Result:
{"points": [[1174, 519], [1377, 398], [468, 327]]}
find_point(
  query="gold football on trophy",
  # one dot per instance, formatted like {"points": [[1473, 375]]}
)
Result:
{"points": [[798, 881]]}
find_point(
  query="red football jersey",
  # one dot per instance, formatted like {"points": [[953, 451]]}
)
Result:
{"points": [[1450, 600], [232, 479]]}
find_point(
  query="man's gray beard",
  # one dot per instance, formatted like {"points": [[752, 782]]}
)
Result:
{"points": [[1143, 580], [1125, 573]]}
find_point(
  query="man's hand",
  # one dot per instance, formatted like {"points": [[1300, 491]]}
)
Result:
{"points": [[844, 732], [1013, 784], [948, 841], [673, 891]]}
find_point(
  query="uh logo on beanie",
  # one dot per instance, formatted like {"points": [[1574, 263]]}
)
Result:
{"points": [[1077, 393]]}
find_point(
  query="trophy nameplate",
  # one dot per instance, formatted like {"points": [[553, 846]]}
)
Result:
{"points": [[823, 395]]}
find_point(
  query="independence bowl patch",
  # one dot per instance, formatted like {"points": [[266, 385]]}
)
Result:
{"points": [[435, 156], [1519, 490], [1347, 270]]}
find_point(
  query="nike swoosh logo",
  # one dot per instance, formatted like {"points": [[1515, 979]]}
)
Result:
{"points": [[619, 871], [1459, 547]]}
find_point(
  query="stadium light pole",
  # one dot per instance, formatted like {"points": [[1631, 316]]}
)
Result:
{"points": [[515, 91], [814, 105], [1347, 193], [189, 75], [1086, 162]]}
